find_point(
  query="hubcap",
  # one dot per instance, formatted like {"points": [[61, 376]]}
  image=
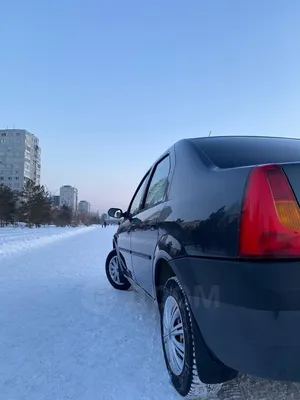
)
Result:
{"points": [[114, 270], [173, 335]]}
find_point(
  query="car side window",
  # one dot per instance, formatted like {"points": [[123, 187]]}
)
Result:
{"points": [[159, 183], [136, 202]]}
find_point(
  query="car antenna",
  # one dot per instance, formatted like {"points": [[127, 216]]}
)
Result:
{"points": [[210, 132]]}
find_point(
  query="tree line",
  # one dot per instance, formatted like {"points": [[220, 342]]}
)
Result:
{"points": [[33, 207]]}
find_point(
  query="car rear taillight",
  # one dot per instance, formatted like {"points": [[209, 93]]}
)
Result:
{"points": [[270, 219]]}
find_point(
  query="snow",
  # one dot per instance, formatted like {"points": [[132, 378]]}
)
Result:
{"points": [[66, 334], [17, 239]]}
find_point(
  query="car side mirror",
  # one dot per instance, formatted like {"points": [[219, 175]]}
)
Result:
{"points": [[115, 213]]}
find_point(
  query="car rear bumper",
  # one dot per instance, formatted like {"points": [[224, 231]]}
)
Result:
{"points": [[248, 313]]}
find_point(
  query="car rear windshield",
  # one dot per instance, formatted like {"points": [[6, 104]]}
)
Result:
{"points": [[230, 152]]}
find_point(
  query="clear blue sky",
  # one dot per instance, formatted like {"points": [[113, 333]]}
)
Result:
{"points": [[108, 85]]}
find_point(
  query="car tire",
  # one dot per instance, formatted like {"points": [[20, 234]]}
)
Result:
{"points": [[114, 273], [179, 350]]}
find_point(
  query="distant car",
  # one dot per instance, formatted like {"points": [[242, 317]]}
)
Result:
{"points": [[212, 235]]}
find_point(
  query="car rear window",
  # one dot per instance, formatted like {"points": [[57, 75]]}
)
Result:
{"points": [[230, 152]]}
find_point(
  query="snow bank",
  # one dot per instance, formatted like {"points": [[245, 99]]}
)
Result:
{"points": [[14, 240]]}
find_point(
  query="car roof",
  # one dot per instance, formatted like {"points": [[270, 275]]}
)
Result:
{"points": [[239, 137]]}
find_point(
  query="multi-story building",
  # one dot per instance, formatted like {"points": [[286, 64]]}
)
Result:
{"points": [[55, 200], [84, 207], [69, 197], [20, 158]]}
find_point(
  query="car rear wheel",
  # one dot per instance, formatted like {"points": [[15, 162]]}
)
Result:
{"points": [[114, 273], [178, 344]]}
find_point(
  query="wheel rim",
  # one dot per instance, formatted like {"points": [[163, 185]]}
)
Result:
{"points": [[114, 270], [173, 336]]}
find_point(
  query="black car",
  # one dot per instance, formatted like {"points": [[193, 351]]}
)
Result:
{"points": [[212, 235]]}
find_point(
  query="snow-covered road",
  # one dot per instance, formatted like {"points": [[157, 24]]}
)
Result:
{"points": [[67, 335]]}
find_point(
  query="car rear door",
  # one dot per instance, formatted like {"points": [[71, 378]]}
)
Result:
{"points": [[144, 231]]}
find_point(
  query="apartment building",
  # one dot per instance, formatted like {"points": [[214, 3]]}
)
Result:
{"points": [[54, 200], [69, 197], [20, 158], [84, 207]]}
